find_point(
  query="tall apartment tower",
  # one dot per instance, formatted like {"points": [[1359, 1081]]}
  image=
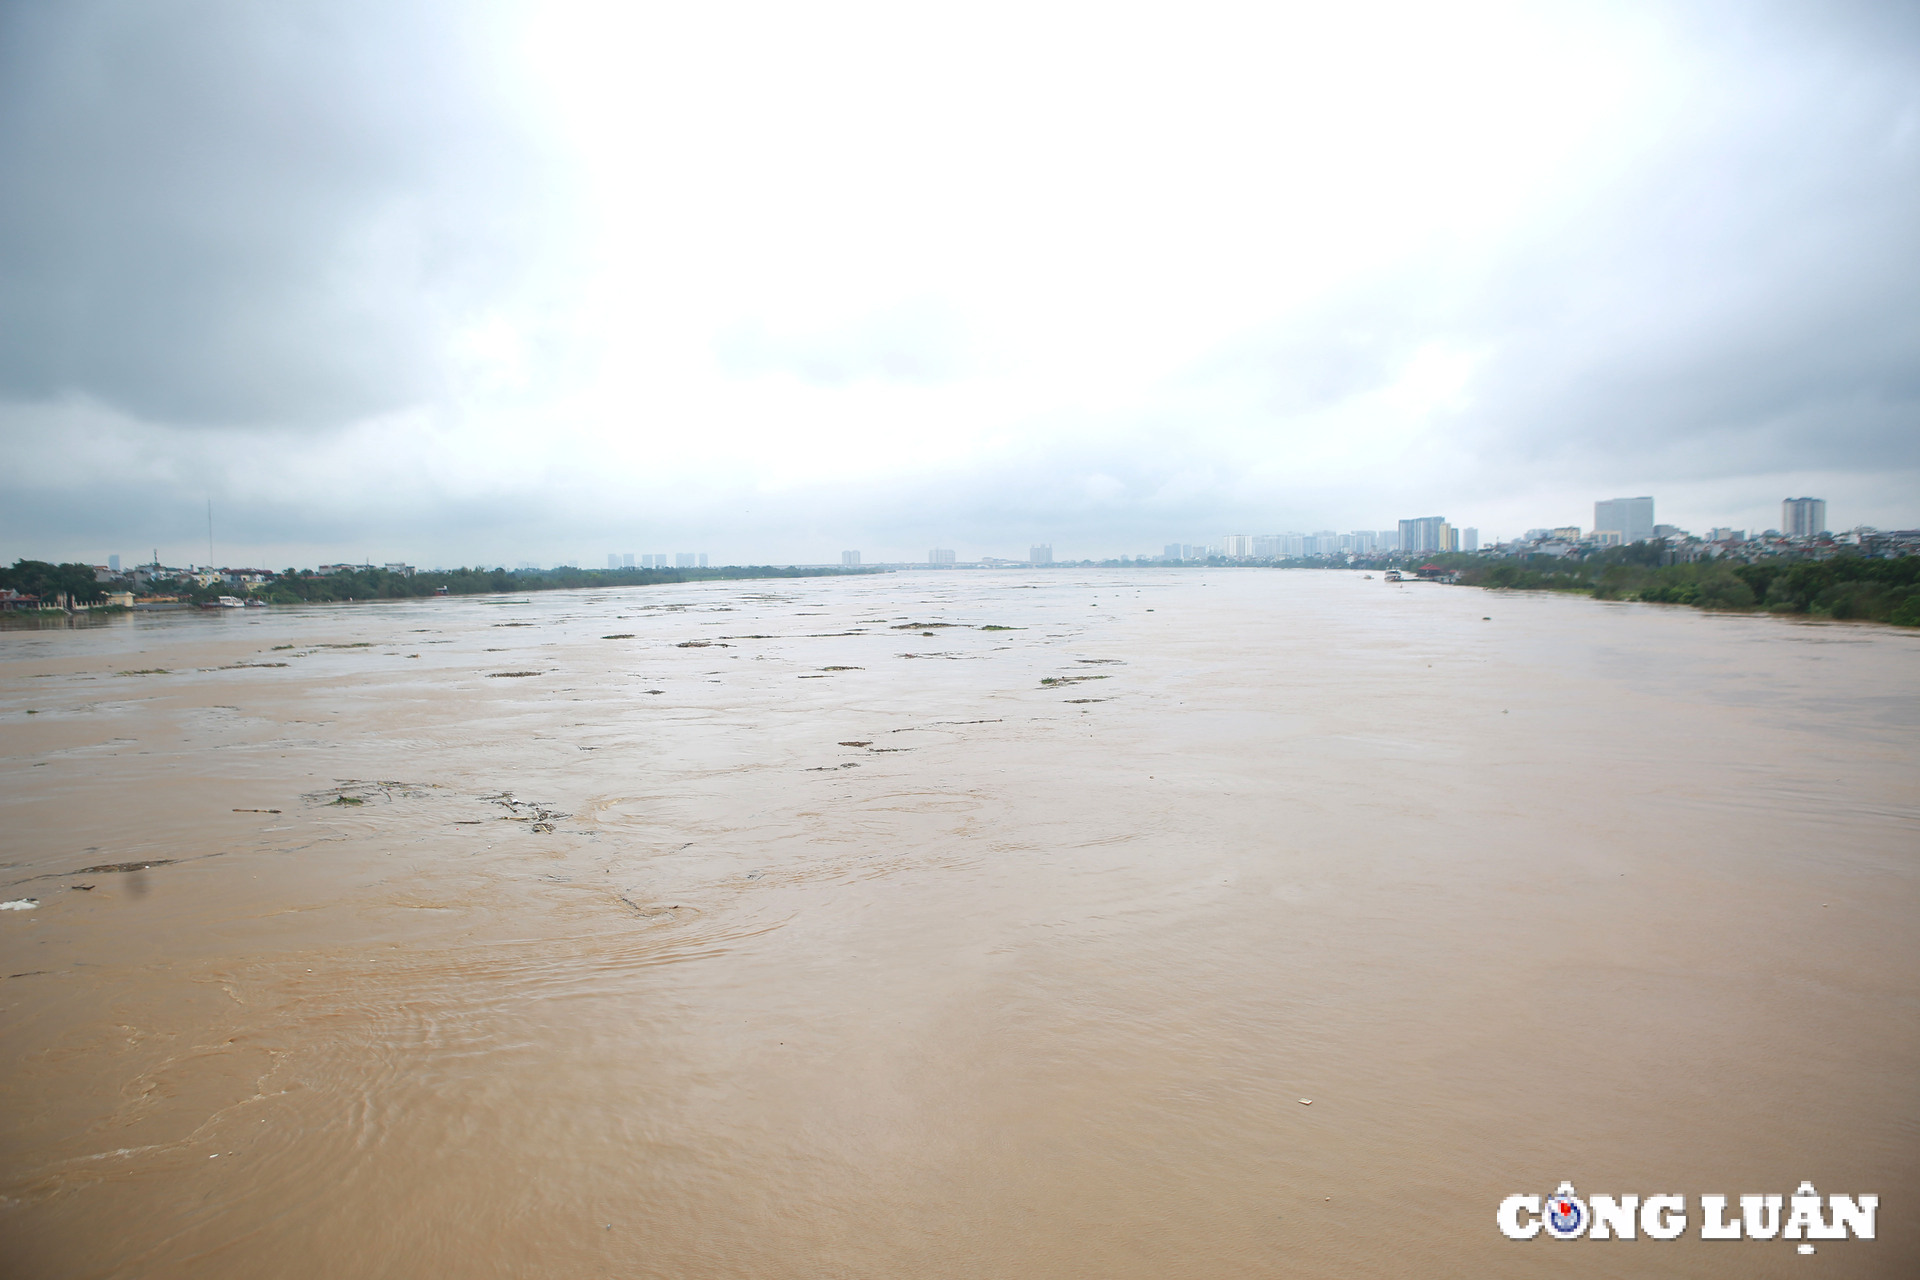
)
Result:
{"points": [[1803, 517], [1042, 554], [1428, 533], [940, 555], [1631, 518], [849, 559]]}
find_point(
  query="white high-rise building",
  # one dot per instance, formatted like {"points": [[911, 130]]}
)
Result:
{"points": [[1236, 546], [1803, 517], [1631, 518], [940, 555], [849, 559], [1469, 539], [1041, 554], [1428, 533], [685, 560]]}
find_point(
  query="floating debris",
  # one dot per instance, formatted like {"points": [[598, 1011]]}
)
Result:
{"points": [[119, 868], [512, 675], [20, 904]]}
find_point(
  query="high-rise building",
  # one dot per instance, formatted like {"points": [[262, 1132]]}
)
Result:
{"points": [[940, 555], [1041, 554], [1236, 546], [1631, 518], [626, 560], [1469, 539], [1428, 533], [113, 564], [1803, 517], [685, 560], [1172, 552], [613, 560], [850, 559]]}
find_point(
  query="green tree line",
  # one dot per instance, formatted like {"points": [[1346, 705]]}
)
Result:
{"points": [[1841, 586], [50, 581]]}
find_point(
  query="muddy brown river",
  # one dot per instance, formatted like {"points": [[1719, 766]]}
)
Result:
{"points": [[952, 925]]}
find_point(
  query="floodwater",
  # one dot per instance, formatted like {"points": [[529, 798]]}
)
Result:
{"points": [[759, 930]]}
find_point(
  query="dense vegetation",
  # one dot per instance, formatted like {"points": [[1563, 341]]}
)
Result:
{"points": [[50, 581], [1841, 586]]}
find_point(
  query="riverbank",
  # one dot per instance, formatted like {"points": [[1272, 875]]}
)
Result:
{"points": [[1842, 587]]}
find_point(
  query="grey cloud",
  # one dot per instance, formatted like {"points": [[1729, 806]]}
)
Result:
{"points": [[1745, 300], [1751, 291], [252, 214], [242, 213]]}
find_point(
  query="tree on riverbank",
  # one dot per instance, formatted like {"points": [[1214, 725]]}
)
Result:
{"points": [[52, 581], [1842, 586]]}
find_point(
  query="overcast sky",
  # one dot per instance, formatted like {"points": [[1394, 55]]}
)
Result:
{"points": [[455, 283]]}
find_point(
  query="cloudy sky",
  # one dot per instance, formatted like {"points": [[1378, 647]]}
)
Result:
{"points": [[456, 282]]}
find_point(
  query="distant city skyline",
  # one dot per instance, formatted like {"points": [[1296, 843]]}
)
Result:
{"points": [[1261, 545], [1616, 520]]}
